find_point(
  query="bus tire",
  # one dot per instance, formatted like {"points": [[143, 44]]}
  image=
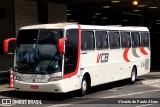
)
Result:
{"points": [[133, 75], [84, 86]]}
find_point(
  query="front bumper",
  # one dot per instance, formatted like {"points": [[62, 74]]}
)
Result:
{"points": [[56, 86]]}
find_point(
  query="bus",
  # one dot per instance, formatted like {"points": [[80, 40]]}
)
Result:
{"points": [[64, 57]]}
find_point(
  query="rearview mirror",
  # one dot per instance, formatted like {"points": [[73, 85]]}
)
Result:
{"points": [[61, 44], [6, 44]]}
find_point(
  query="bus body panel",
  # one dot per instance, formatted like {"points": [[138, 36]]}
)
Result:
{"points": [[115, 68]]}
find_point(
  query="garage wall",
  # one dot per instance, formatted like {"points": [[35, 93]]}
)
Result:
{"points": [[6, 20], [57, 13], [25, 13]]}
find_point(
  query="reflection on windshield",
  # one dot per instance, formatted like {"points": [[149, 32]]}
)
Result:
{"points": [[47, 58], [24, 57], [25, 53], [40, 56]]}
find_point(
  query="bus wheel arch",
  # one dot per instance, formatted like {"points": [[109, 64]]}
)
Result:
{"points": [[133, 74], [85, 84]]}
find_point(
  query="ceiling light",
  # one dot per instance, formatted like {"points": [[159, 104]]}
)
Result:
{"points": [[153, 7], [141, 5], [115, 1], [106, 7], [125, 20], [93, 22], [136, 10], [68, 10], [71, 20], [105, 18], [69, 14], [94, 17], [157, 23], [135, 2], [157, 20], [97, 13]]}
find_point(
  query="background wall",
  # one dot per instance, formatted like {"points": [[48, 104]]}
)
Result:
{"points": [[6, 20], [25, 13], [7, 29], [57, 13]]}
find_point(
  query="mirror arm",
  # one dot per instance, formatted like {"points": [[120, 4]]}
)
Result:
{"points": [[6, 44]]}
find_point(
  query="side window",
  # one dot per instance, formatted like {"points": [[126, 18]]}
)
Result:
{"points": [[114, 40], [88, 40], [135, 39], [144, 39], [101, 39], [125, 40]]}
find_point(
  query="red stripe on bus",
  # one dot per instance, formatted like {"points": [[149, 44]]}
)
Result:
{"points": [[125, 53], [78, 60], [143, 50]]}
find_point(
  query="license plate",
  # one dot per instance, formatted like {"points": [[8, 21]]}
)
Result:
{"points": [[34, 87]]}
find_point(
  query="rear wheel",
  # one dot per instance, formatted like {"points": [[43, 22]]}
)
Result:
{"points": [[133, 75], [84, 86]]}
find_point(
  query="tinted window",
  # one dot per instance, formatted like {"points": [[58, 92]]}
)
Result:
{"points": [[125, 40], [48, 42], [114, 40], [101, 39], [144, 39], [135, 39], [50, 36], [71, 50], [27, 36], [88, 40]]}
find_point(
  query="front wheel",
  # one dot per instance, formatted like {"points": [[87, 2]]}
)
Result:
{"points": [[84, 87], [133, 75]]}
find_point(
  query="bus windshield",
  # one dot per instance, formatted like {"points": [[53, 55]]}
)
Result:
{"points": [[37, 51]]}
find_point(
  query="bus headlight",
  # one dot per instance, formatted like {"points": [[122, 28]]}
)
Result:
{"points": [[55, 78], [17, 78]]}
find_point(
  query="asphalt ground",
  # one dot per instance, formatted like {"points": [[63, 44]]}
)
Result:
{"points": [[146, 86]]}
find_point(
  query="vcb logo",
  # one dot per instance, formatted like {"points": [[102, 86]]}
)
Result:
{"points": [[102, 57]]}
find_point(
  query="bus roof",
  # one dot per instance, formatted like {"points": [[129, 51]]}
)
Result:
{"points": [[74, 25], [48, 26]]}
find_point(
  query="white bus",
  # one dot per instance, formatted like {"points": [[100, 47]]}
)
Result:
{"points": [[64, 57]]}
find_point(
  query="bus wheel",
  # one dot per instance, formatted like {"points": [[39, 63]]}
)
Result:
{"points": [[84, 87], [133, 75]]}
